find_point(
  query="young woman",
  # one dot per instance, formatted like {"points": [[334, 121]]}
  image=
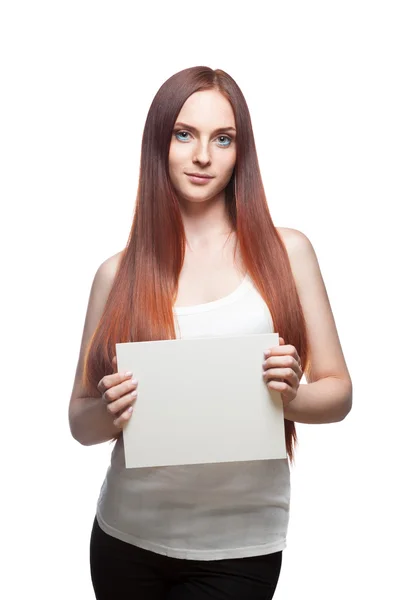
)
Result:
{"points": [[203, 259]]}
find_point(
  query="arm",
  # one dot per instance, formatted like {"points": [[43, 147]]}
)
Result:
{"points": [[89, 421], [325, 401], [327, 397]]}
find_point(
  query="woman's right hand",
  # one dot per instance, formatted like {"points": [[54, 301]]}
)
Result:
{"points": [[118, 392]]}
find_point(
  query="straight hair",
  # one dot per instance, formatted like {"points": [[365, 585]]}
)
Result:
{"points": [[140, 304]]}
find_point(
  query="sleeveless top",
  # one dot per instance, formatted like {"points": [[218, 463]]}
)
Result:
{"points": [[202, 511]]}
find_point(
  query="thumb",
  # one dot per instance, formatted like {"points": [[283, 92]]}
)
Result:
{"points": [[114, 365], [281, 341]]}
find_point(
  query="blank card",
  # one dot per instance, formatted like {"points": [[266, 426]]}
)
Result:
{"points": [[201, 400]]}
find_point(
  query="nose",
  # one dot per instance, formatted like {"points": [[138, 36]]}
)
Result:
{"points": [[201, 154]]}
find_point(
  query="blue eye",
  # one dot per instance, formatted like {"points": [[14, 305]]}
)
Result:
{"points": [[226, 137], [181, 132]]}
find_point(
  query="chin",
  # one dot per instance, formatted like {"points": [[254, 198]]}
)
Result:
{"points": [[195, 200], [195, 195]]}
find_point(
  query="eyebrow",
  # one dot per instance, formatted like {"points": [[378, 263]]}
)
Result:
{"points": [[185, 125]]}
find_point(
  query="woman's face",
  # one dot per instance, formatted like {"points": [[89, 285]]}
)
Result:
{"points": [[203, 141]]}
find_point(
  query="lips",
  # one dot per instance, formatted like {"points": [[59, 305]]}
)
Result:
{"points": [[199, 180], [202, 175]]}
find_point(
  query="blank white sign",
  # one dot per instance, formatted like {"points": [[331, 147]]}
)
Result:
{"points": [[201, 400]]}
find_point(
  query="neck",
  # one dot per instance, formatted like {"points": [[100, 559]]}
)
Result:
{"points": [[205, 220]]}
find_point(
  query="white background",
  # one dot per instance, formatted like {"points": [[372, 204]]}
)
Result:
{"points": [[321, 82]]}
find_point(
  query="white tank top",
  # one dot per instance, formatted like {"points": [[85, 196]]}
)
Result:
{"points": [[207, 511]]}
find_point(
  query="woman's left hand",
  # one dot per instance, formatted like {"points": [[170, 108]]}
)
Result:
{"points": [[282, 370]]}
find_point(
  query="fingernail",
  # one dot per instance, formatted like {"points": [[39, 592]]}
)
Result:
{"points": [[128, 373]]}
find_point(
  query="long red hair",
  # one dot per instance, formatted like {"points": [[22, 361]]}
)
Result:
{"points": [[140, 304]]}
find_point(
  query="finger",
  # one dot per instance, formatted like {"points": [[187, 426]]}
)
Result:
{"points": [[120, 405], [286, 361], [114, 364], [286, 391], [116, 392], [281, 350], [271, 350], [124, 418], [282, 375], [280, 386], [111, 380]]}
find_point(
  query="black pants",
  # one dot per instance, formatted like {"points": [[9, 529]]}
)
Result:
{"points": [[121, 571]]}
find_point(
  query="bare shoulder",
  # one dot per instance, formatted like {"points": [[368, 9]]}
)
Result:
{"points": [[107, 270], [294, 239], [303, 261], [300, 250], [111, 264], [102, 283]]}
